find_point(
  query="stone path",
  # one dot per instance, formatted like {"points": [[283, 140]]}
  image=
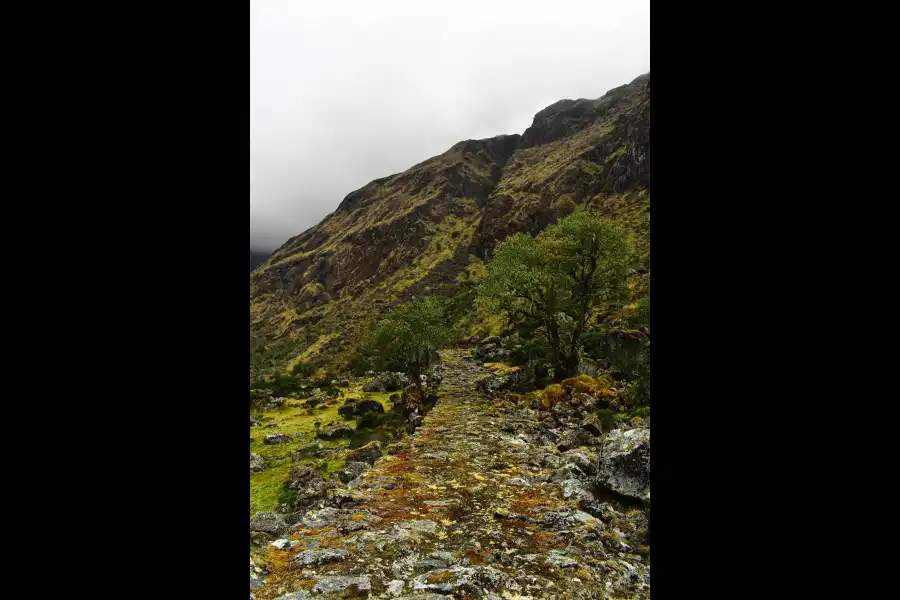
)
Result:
{"points": [[463, 508]]}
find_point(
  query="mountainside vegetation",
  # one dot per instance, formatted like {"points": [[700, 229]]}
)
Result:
{"points": [[431, 230]]}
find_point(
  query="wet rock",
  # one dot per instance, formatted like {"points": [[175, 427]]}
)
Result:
{"points": [[268, 522], [276, 438], [335, 432], [348, 587], [352, 470], [257, 463], [625, 463], [369, 453], [320, 557]]}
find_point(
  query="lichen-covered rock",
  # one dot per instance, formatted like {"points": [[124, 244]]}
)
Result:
{"points": [[268, 522], [575, 438], [347, 587], [625, 463], [275, 403], [320, 557], [310, 486], [335, 432], [368, 453], [352, 470], [277, 438], [257, 463], [472, 581]]}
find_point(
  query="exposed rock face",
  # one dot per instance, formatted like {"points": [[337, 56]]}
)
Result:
{"points": [[414, 231], [625, 463]]}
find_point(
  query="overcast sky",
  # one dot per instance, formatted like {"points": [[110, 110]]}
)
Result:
{"points": [[344, 92]]}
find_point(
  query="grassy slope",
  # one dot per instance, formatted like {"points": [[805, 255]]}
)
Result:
{"points": [[298, 423]]}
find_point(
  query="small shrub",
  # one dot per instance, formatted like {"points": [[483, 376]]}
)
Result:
{"points": [[554, 394], [287, 496]]}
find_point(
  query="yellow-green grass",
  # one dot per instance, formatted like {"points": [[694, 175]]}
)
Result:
{"points": [[297, 423]]}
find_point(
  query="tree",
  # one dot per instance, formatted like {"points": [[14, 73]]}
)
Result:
{"points": [[553, 281], [409, 335]]}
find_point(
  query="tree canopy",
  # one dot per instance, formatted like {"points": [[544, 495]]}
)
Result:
{"points": [[407, 337], [553, 281]]}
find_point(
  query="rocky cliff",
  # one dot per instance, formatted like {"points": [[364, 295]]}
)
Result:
{"points": [[429, 229]]}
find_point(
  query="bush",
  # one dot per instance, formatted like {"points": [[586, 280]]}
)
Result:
{"points": [[287, 496], [553, 394]]}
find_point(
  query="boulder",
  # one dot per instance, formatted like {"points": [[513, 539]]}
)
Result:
{"points": [[376, 385], [343, 586], [575, 438], [363, 406], [352, 470], [257, 463], [334, 432], [625, 463], [320, 557], [310, 486], [586, 366], [277, 438], [268, 522], [368, 453]]}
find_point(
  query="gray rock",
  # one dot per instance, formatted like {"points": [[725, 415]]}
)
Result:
{"points": [[268, 522], [295, 596], [566, 472], [462, 580], [276, 438], [325, 517], [340, 498], [574, 438], [395, 587], [335, 432], [581, 460], [423, 525], [309, 485], [369, 453], [257, 463], [586, 366], [352, 470], [320, 557], [347, 586], [558, 559], [625, 463]]}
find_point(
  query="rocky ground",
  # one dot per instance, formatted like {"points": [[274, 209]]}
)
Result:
{"points": [[488, 498]]}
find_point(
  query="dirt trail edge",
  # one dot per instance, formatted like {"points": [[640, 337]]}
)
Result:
{"points": [[465, 508]]}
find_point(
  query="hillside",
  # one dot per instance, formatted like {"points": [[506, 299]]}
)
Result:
{"points": [[429, 229], [257, 258]]}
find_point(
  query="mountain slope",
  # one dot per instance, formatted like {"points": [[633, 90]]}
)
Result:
{"points": [[428, 230], [257, 258]]}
